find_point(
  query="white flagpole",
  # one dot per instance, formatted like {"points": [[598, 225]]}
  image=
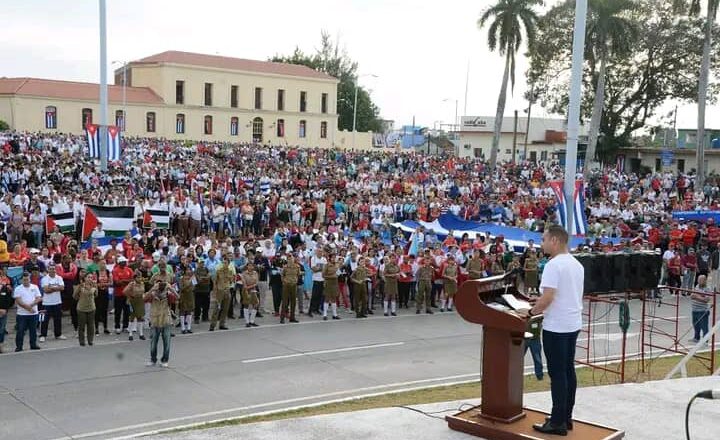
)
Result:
{"points": [[103, 88], [574, 111]]}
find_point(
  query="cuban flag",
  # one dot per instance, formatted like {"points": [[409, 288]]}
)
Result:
{"points": [[93, 140], [50, 117], [234, 125], [579, 226], [113, 133], [180, 124]]}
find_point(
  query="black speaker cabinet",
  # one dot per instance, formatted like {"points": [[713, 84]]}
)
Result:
{"points": [[620, 263]]}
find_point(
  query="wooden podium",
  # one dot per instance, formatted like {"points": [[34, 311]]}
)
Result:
{"points": [[501, 415]]}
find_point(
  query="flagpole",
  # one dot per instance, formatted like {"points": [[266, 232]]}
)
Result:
{"points": [[103, 88], [574, 112]]}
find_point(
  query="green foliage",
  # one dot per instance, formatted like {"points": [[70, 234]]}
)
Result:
{"points": [[330, 58], [4, 125], [662, 65]]}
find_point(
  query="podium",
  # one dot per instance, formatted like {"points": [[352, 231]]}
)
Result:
{"points": [[501, 415]]}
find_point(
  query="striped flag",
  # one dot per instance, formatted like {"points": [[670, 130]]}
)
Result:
{"points": [[93, 140], [65, 221], [113, 143], [161, 218], [579, 226], [103, 244], [116, 220]]}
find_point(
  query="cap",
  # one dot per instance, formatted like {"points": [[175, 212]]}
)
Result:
{"points": [[122, 260]]}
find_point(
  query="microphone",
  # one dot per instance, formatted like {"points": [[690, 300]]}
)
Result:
{"points": [[709, 394]]}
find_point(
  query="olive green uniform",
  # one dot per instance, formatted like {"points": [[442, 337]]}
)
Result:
{"points": [[391, 281], [186, 304], [250, 288], [135, 292], [451, 270], [220, 298], [475, 268], [85, 297], [290, 274], [359, 278], [331, 287], [424, 287]]}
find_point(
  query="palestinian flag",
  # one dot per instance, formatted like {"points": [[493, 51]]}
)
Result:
{"points": [[64, 220], [159, 216], [116, 220]]}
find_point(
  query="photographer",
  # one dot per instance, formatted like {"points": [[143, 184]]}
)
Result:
{"points": [[161, 295]]}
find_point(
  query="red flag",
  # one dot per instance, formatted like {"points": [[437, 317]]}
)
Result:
{"points": [[49, 224], [147, 219], [89, 224]]}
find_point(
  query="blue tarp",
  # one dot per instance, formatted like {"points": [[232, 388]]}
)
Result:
{"points": [[697, 216], [516, 237]]}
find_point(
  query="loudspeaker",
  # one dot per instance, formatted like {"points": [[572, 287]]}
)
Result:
{"points": [[620, 265], [636, 277], [651, 266], [603, 273], [587, 261]]}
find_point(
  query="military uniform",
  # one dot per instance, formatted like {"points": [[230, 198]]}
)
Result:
{"points": [[290, 274], [475, 268], [220, 299], [451, 270], [135, 291], [202, 293], [424, 288], [250, 288], [331, 287], [391, 281], [186, 304], [359, 278]]}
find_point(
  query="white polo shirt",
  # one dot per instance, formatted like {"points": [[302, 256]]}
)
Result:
{"points": [[315, 262], [52, 298], [27, 295], [566, 275]]}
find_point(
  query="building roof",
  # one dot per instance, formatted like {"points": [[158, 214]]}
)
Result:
{"points": [[220, 62], [51, 88]]}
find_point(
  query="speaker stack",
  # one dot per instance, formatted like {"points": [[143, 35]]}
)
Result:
{"points": [[620, 271]]}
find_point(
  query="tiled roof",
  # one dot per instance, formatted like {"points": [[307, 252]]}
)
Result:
{"points": [[50, 88], [220, 62]]}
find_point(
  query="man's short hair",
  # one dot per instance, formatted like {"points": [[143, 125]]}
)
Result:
{"points": [[558, 232]]}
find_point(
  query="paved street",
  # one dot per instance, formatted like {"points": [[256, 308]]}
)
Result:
{"points": [[67, 391]]}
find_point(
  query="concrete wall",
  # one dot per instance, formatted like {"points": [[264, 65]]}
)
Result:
{"points": [[484, 141]]}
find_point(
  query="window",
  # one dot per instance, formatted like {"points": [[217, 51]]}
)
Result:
{"points": [[303, 126], [208, 94], [234, 126], [303, 101], [281, 100], [477, 153], [280, 128], [86, 117], [180, 123], [120, 119], [207, 126], [233, 96], [51, 117], [543, 156], [681, 165], [324, 103], [258, 98], [257, 125], [150, 122], [179, 92], [323, 130], [658, 164], [508, 151], [533, 156]]}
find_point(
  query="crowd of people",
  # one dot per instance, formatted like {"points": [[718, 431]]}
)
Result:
{"points": [[258, 230]]}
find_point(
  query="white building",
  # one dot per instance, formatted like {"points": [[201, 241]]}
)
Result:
{"points": [[546, 137]]}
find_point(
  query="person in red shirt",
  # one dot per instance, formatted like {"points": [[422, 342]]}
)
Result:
{"points": [[405, 280], [689, 267], [674, 266], [689, 235], [121, 276], [449, 240]]}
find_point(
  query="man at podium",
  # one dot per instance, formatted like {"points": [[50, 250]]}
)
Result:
{"points": [[561, 304]]}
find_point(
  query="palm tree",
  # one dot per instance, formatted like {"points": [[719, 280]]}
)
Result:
{"points": [[509, 19], [610, 31], [693, 8]]}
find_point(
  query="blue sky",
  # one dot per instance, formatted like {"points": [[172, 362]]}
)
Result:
{"points": [[418, 49]]}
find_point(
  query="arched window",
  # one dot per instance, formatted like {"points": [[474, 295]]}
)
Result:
{"points": [[51, 117], [86, 117], [180, 123], [281, 128], [120, 119], [207, 126], [257, 130], [234, 126], [303, 129], [150, 122]]}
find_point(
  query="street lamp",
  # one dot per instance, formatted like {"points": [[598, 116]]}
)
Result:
{"points": [[454, 125], [124, 81], [355, 102]]}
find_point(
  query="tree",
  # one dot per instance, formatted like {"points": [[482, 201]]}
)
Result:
{"points": [[660, 66], [693, 9], [505, 33], [610, 30], [330, 58], [4, 125]]}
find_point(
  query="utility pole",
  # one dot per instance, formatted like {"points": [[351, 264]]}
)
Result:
{"points": [[527, 125], [467, 82], [515, 136], [574, 111], [103, 88]]}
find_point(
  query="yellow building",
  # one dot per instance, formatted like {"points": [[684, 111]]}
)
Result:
{"points": [[181, 95]]}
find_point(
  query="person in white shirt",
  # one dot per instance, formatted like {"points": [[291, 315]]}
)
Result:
{"points": [[317, 263], [52, 285], [27, 297], [561, 303], [98, 231]]}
